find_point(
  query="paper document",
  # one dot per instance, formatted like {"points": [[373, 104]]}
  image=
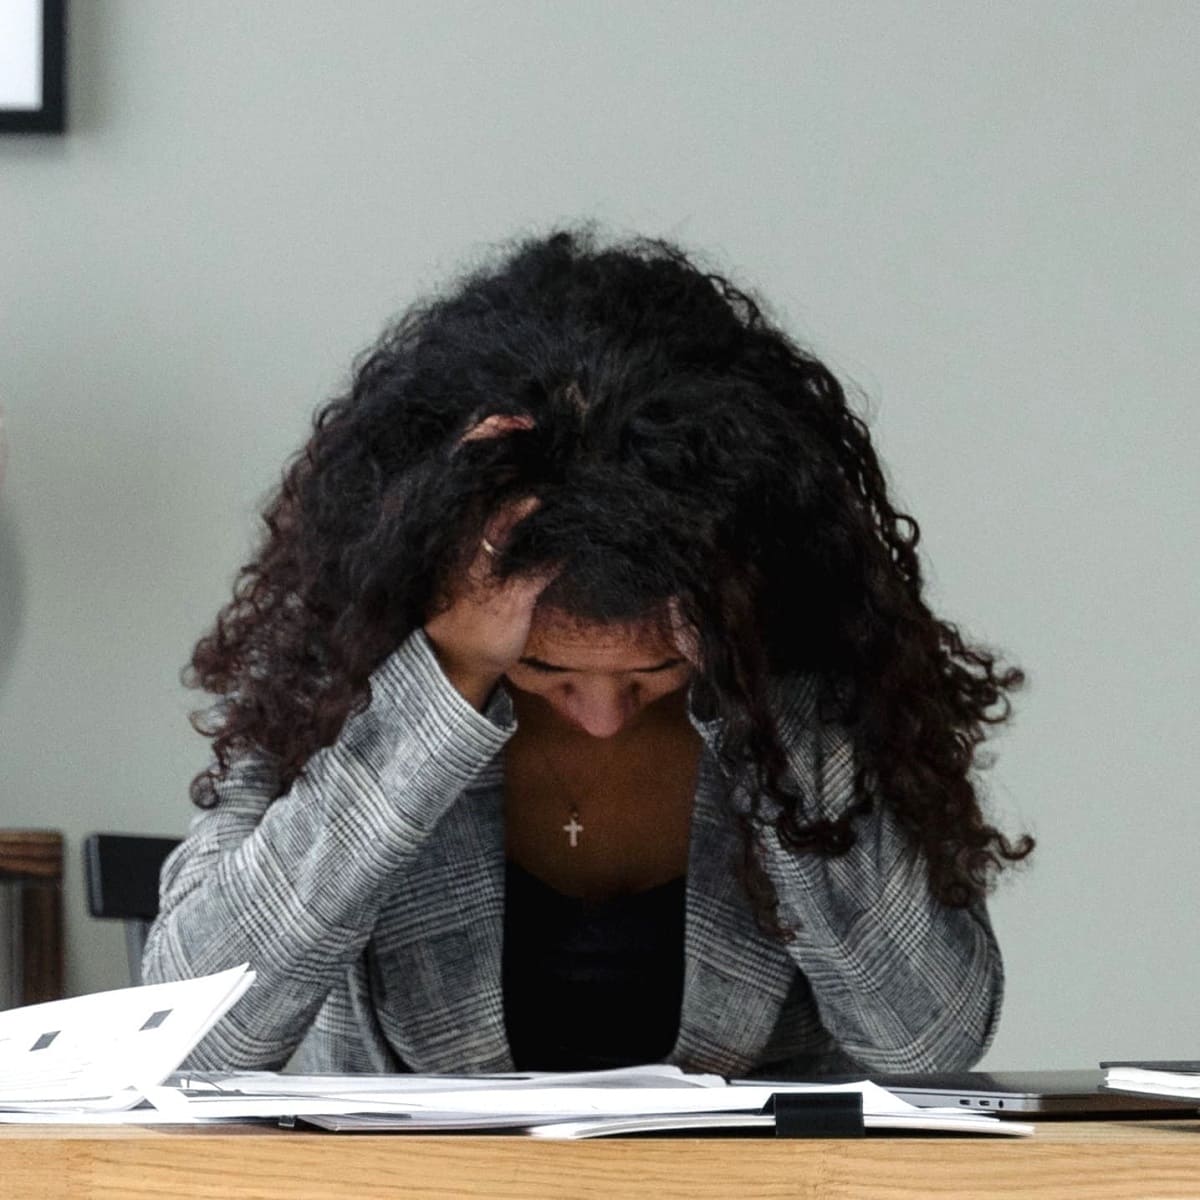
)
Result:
{"points": [[267, 1083], [1182, 1084], [103, 1051], [572, 1112]]}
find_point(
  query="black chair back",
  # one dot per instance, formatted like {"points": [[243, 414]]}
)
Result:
{"points": [[121, 872]]}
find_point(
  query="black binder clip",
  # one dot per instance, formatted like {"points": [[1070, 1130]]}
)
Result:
{"points": [[817, 1114]]}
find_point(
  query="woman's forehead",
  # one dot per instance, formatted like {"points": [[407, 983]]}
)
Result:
{"points": [[558, 639]]}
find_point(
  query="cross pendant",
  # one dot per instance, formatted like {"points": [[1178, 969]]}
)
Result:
{"points": [[573, 829]]}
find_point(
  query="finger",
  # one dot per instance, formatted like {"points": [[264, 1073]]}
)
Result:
{"points": [[496, 536], [499, 529], [497, 425], [510, 601], [524, 591]]}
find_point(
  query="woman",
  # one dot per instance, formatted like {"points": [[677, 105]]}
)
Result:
{"points": [[581, 707]]}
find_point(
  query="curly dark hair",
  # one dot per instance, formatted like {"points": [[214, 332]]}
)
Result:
{"points": [[681, 447]]}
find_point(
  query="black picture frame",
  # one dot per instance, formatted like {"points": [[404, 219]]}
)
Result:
{"points": [[51, 115]]}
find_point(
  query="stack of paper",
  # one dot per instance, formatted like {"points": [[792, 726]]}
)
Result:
{"points": [[1179, 1079], [557, 1107], [109, 1058]]}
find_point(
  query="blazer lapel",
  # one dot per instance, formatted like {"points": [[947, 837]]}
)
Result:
{"points": [[735, 977], [437, 987]]}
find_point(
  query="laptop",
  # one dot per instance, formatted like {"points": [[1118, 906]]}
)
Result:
{"points": [[1020, 1093]]}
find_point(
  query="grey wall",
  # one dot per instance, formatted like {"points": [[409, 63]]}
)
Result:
{"points": [[983, 214]]}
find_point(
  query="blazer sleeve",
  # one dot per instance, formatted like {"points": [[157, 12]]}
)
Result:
{"points": [[293, 885], [902, 982]]}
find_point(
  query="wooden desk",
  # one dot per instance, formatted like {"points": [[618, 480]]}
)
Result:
{"points": [[1140, 1160]]}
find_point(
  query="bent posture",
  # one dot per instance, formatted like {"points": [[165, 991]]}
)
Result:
{"points": [[581, 707]]}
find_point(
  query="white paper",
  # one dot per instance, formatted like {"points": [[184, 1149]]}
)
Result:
{"points": [[272, 1083], [1179, 1085], [103, 1051]]}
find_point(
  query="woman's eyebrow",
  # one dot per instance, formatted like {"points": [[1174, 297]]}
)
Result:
{"points": [[541, 665], [538, 665]]}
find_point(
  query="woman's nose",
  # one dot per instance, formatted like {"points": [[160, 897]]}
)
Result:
{"points": [[600, 709]]}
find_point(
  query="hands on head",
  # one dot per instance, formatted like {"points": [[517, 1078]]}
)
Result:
{"points": [[482, 628]]}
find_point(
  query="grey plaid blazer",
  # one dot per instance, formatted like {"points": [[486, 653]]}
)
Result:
{"points": [[370, 900]]}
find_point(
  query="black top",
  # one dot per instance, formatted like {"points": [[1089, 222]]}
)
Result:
{"points": [[591, 985]]}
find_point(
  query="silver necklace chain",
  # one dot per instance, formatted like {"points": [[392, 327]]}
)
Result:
{"points": [[574, 827]]}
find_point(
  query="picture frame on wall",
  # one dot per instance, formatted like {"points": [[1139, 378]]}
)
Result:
{"points": [[32, 66]]}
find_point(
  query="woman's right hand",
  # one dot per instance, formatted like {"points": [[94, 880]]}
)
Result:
{"points": [[482, 629]]}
